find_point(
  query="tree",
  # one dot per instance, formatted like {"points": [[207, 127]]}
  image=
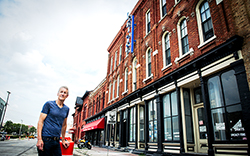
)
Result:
{"points": [[32, 130]]}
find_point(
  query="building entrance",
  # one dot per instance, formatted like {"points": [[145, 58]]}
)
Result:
{"points": [[201, 130]]}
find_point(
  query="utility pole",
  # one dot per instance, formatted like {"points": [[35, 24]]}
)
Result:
{"points": [[5, 108]]}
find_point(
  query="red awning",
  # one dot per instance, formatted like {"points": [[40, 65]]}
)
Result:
{"points": [[98, 124]]}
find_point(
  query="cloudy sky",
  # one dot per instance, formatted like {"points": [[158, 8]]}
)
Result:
{"points": [[45, 44]]}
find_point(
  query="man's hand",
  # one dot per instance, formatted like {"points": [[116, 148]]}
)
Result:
{"points": [[65, 144], [40, 144]]}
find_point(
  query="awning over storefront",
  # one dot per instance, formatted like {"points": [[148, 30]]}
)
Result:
{"points": [[98, 124]]}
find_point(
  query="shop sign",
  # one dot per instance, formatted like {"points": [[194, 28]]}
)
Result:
{"points": [[111, 117]]}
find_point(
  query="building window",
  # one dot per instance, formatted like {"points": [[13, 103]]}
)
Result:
{"points": [[148, 22], [120, 55], [163, 8], [132, 124], [103, 100], [113, 92], [166, 50], [148, 62], [118, 86], [170, 115], [226, 108], [93, 112], [115, 59], [134, 73], [188, 115], [126, 80], [110, 91], [111, 64], [206, 21], [184, 37], [142, 127], [84, 112], [152, 121]]}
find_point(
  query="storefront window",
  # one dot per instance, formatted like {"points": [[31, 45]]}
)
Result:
{"points": [[132, 124], [188, 116], [170, 115], [225, 107], [141, 116], [152, 113]]}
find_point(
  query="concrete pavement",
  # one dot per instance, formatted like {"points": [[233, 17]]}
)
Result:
{"points": [[98, 151]]}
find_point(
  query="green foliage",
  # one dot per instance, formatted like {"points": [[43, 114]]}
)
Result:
{"points": [[11, 127]]}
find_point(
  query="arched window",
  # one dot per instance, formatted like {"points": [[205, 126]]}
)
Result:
{"points": [[134, 74], [148, 62], [118, 86], [166, 49], [184, 37], [113, 92], [205, 24], [126, 80]]}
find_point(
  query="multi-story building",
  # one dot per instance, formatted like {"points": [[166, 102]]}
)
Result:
{"points": [[184, 90]]}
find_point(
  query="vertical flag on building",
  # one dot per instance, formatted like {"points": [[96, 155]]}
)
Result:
{"points": [[130, 37]]}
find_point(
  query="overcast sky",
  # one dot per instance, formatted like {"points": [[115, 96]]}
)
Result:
{"points": [[45, 44]]}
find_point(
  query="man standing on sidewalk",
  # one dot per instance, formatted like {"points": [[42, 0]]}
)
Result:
{"points": [[52, 123]]}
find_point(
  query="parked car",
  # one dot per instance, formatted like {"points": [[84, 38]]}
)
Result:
{"points": [[31, 137]]}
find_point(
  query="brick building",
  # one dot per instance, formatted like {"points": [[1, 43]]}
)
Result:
{"points": [[185, 87]]}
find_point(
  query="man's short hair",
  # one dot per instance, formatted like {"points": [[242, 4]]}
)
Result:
{"points": [[63, 87]]}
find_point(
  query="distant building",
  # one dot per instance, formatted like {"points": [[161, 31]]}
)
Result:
{"points": [[2, 107], [184, 90]]}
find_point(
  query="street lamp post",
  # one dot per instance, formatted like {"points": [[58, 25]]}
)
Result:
{"points": [[5, 108], [20, 128]]}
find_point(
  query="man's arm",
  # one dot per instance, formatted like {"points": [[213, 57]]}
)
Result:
{"points": [[64, 127], [39, 131]]}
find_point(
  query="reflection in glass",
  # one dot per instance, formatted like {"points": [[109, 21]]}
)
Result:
{"points": [[215, 94]]}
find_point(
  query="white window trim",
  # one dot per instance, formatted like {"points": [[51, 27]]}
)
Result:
{"points": [[190, 52], [113, 92], [150, 77], [109, 92], [115, 59], [120, 54], [111, 63], [161, 10]]}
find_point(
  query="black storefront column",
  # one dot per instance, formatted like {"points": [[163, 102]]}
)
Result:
{"points": [[120, 129], [127, 127], [136, 126], [244, 92], [182, 150], [146, 126], [160, 133], [207, 116]]}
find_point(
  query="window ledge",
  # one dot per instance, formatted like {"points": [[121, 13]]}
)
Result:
{"points": [[167, 66], [190, 52], [150, 77], [125, 92], [207, 41]]}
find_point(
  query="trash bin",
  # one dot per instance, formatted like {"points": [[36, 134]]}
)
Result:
{"points": [[67, 151]]}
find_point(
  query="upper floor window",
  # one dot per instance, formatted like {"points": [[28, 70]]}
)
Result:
{"points": [[148, 63], [109, 91], [126, 80], [134, 73], [148, 22], [184, 37], [166, 49], [120, 54], [118, 86], [204, 21], [115, 59], [163, 7], [113, 92], [111, 64]]}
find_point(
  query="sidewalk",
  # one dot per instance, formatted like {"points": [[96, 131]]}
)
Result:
{"points": [[99, 151]]}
